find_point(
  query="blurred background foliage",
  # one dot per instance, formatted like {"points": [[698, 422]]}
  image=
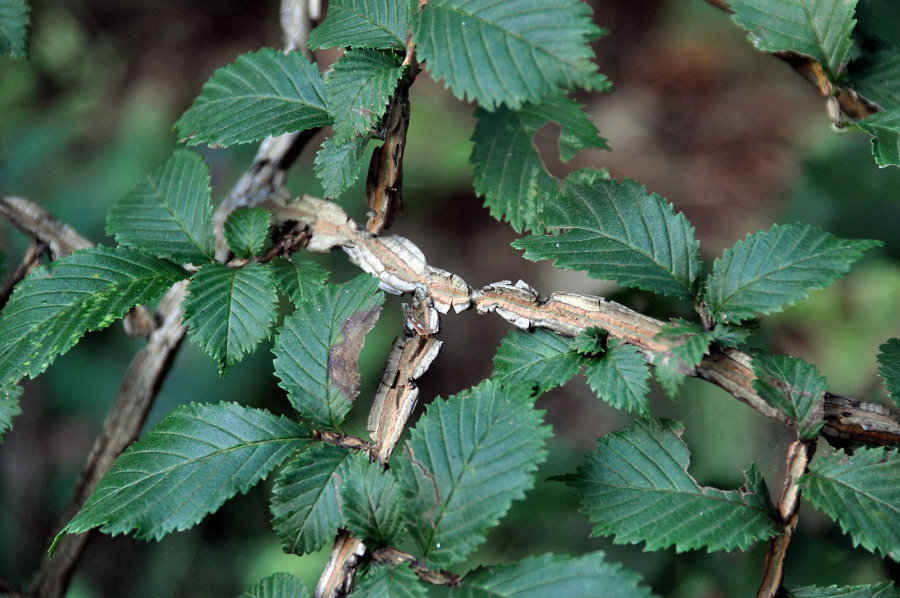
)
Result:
{"points": [[733, 138]]}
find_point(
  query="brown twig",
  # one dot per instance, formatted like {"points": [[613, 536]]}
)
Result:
{"points": [[394, 557]]}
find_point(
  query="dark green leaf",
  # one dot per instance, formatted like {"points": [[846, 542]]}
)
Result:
{"points": [[169, 214], [817, 28], [621, 377], [591, 342], [508, 169], [316, 350], [379, 24], [636, 486], [278, 585], [298, 278], [860, 493], [795, 387], [262, 94], [885, 128], [359, 88], [306, 511], [52, 308], [881, 590], [689, 343], [727, 335], [777, 267], [538, 356], [469, 457], [186, 467], [9, 406], [508, 52], [556, 576], [617, 231], [876, 76], [372, 503], [382, 581], [337, 166], [228, 311], [246, 230], [14, 20], [889, 368]]}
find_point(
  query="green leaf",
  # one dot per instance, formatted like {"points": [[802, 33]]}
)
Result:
{"points": [[621, 377], [228, 311], [884, 127], [262, 94], [306, 512], [359, 88], [9, 406], [727, 335], [278, 585], [793, 386], [186, 467], [689, 344], [860, 493], [817, 28], [337, 165], [591, 342], [881, 590], [381, 24], [469, 457], [876, 77], [557, 576], [316, 350], [382, 581], [508, 52], [889, 368], [246, 230], [636, 486], [372, 503], [52, 308], [617, 231], [509, 172], [777, 267], [14, 21], [538, 356], [169, 214], [297, 278]]}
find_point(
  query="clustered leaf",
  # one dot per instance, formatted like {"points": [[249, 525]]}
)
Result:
{"points": [[795, 387], [380, 24], [538, 356], [889, 368], [337, 165], [14, 21], [637, 487], [621, 377], [688, 344], [373, 503], [278, 585], [382, 581], [186, 467], [860, 493], [298, 278], [879, 590], [246, 231], [884, 127]]}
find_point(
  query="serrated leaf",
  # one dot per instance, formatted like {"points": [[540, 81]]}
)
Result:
{"points": [[14, 21], [316, 350], [169, 215], [262, 94], [298, 278], [359, 88], [372, 503], [382, 581], [817, 28], [793, 386], [509, 172], [469, 457], [278, 585], [621, 377], [337, 166], [778, 267], [306, 511], [860, 493], [53, 307], [889, 368], [689, 343], [727, 335], [229, 311], [508, 52], [9, 406], [880, 590], [592, 341], [538, 356], [637, 487], [549, 575], [876, 77], [246, 230], [617, 231], [185, 467], [381, 24], [884, 127]]}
